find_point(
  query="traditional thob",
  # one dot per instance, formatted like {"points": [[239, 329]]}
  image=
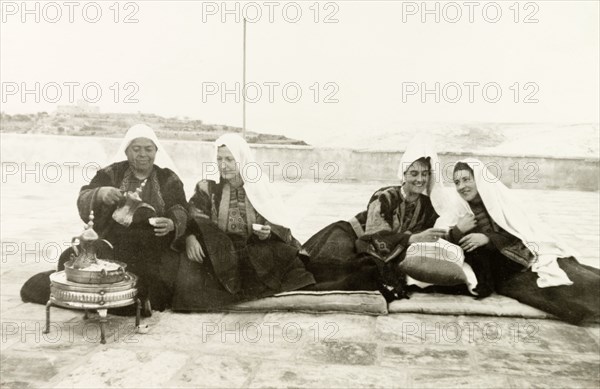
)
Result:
{"points": [[352, 255], [137, 245], [238, 266], [363, 253], [522, 260]]}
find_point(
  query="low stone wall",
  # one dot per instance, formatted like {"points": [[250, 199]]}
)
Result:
{"points": [[293, 163]]}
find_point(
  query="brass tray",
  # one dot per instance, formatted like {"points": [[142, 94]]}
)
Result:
{"points": [[83, 276]]}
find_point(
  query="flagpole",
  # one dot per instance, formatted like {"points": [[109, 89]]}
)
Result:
{"points": [[244, 87]]}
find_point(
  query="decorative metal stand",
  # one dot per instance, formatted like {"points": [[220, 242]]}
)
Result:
{"points": [[90, 283], [98, 297]]}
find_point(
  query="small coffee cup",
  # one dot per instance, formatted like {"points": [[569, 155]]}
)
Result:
{"points": [[142, 329]]}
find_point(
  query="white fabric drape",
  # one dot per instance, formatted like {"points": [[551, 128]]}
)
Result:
{"points": [[506, 211], [420, 146], [161, 159], [263, 196]]}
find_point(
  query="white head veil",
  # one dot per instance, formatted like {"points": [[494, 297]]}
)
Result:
{"points": [[161, 159], [263, 197], [506, 210], [422, 146]]}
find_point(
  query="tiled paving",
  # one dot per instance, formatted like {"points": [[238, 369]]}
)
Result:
{"points": [[258, 350]]}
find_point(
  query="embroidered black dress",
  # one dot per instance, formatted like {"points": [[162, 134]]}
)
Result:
{"points": [[238, 265], [363, 253], [136, 245], [503, 266]]}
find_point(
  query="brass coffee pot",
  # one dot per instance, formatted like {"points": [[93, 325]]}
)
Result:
{"points": [[88, 241], [133, 201], [79, 269]]}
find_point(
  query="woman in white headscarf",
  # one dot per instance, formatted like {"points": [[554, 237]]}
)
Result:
{"points": [[147, 172], [143, 170], [514, 254], [239, 245], [363, 253], [139, 207]]}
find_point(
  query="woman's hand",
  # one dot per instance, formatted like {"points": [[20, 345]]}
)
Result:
{"points": [[109, 195], [193, 249], [263, 233], [162, 225], [466, 223], [429, 235], [195, 212], [473, 241]]}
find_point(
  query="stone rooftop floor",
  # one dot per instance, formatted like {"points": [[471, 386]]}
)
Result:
{"points": [[281, 349]]}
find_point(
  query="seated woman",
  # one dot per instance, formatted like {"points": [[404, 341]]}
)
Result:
{"points": [[512, 254], [363, 253], [137, 243], [238, 243]]}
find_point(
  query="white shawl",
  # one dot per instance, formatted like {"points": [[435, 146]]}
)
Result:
{"points": [[506, 210], [419, 147], [161, 159], [263, 197]]}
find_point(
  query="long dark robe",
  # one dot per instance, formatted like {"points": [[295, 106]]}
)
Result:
{"points": [[364, 253], [238, 266], [503, 266], [136, 245]]}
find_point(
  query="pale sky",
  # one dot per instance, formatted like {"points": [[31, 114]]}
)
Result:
{"points": [[367, 57]]}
